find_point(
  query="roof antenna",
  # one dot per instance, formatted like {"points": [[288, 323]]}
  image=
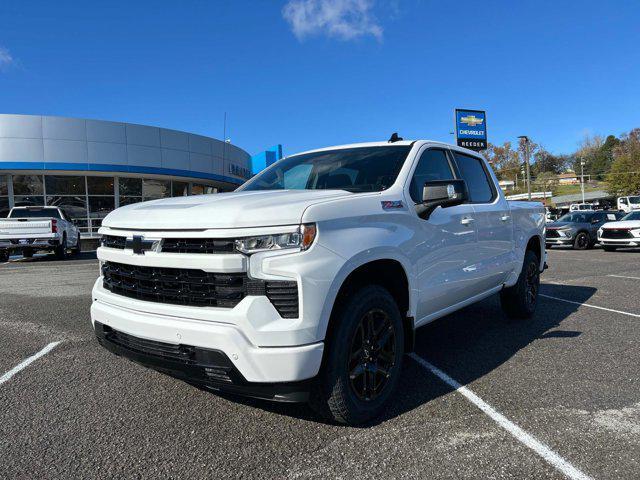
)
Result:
{"points": [[395, 138]]}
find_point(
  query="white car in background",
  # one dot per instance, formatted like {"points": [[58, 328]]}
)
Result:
{"points": [[581, 207], [623, 233]]}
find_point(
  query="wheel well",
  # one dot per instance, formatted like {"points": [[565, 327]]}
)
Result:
{"points": [[534, 246], [388, 274]]}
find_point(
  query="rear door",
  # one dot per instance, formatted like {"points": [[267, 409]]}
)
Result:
{"points": [[494, 223], [444, 245]]}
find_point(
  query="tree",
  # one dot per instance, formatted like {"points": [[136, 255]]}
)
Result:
{"points": [[545, 181], [624, 176], [504, 160], [547, 162]]}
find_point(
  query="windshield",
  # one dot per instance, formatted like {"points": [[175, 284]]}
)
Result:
{"points": [[34, 213], [634, 200], [576, 217], [631, 216], [364, 169]]}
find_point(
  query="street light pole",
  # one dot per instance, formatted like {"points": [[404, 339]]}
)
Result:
{"points": [[582, 178], [526, 158]]}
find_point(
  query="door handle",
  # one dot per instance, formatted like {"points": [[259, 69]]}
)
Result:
{"points": [[467, 221], [504, 218]]}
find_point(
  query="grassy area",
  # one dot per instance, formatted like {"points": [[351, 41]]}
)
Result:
{"points": [[574, 189]]}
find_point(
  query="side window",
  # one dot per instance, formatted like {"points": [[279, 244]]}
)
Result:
{"points": [[473, 172], [433, 165]]}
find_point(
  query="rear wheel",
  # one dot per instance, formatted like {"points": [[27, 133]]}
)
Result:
{"points": [[78, 247], [61, 250], [4, 255], [609, 248], [581, 241], [520, 301], [363, 358]]}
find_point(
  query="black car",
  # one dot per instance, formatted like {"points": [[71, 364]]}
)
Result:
{"points": [[579, 229]]}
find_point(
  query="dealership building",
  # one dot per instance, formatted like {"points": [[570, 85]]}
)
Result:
{"points": [[90, 167]]}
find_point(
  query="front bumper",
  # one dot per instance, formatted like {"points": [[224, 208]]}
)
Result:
{"points": [[558, 241], [623, 242], [254, 363], [204, 367]]}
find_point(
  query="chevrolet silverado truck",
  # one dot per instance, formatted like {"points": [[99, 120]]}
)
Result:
{"points": [[620, 234], [309, 281], [31, 229]]}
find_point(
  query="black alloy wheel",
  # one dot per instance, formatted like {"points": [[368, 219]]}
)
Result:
{"points": [[372, 355], [581, 242], [532, 285]]}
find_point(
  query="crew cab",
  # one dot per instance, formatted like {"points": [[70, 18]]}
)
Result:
{"points": [[578, 229], [308, 282], [32, 229], [623, 233]]}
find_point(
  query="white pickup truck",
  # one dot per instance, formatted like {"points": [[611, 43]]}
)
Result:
{"points": [[31, 229], [308, 282]]}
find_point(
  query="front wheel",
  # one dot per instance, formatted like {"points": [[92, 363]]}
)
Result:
{"points": [[581, 241], [363, 358], [520, 301]]}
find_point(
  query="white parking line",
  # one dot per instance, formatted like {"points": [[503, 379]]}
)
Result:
{"points": [[26, 362], [590, 306], [624, 276], [525, 438]]}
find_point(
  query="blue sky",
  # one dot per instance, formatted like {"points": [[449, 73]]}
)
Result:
{"points": [[311, 73]]}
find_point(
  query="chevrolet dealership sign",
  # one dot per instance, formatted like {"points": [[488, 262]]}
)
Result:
{"points": [[471, 129]]}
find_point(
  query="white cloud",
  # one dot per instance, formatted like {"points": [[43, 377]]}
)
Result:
{"points": [[342, 19], [6, 60]]}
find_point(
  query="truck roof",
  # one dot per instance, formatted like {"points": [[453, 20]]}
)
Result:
{"points": [[386, 144]]}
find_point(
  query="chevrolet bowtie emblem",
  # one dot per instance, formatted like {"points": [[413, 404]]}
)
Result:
{"points": [[471, 120], [139, 245]]}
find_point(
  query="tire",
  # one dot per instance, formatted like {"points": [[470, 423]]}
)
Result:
{"points": [[609, 248], [350, 363], [78, 247], [581, 241], [4, 256], [27, 252], [61, 250], [520, 301]]}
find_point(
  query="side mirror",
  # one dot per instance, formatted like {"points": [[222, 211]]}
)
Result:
{"points": [[441, 193]]}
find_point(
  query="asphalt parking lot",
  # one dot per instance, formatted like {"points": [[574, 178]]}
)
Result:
{"points": [[569, 379]]}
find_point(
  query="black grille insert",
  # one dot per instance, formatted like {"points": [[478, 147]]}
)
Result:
{"points": [[552, 234], [174, 285], [111, 241], [616, 233], [198, 245], [197, 287]]}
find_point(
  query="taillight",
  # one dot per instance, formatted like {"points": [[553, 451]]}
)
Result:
{"points": [[54, 226]]}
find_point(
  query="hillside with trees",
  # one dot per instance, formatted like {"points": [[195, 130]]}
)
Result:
{"points": [[611, 164]]}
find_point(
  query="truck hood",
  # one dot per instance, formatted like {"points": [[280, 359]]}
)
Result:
{"points": [[220, 210], [623, 224]]}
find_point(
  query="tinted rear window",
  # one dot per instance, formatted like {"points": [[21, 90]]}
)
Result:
{"points": [[35, 213]]}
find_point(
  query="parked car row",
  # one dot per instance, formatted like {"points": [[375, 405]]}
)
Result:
{"points": [[583, 229], [28, 230]]}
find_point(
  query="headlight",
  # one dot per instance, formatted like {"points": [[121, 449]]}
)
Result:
{"points": [[566, 232], [301, 240]]}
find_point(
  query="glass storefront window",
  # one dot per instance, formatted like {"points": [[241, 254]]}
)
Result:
{"points": [[199, 189], [129, 200], [28, 201], [27, 185], [76, 206], [155, 188], [99, 207], [179, 189], [99, 186], [4, 206], [4, 185], [130, 187], [64, 185]]}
